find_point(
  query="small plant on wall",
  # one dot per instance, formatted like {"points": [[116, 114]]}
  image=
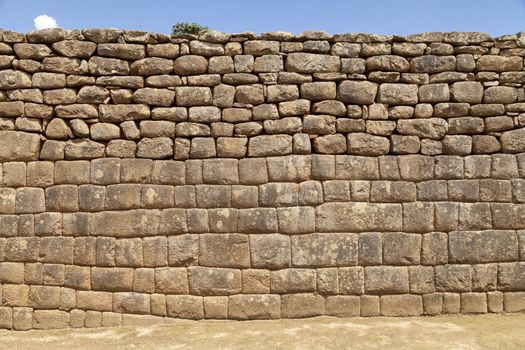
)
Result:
{"points": [[181, 28]]}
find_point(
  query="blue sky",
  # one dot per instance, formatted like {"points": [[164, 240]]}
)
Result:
{"points": [[495, 17]]}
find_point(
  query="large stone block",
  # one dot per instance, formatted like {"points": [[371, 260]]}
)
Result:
{"points": [[452, 278], [401, 305], [312, 63], [254, 307], [19, 146], [401, 248], [386, 280], [270, 251], [214, 281], [112, 279], [357, 92], [324, 249], [358, 217], [226, 250], [398, 94], [472, 247], [293, 281], [301, 305]]}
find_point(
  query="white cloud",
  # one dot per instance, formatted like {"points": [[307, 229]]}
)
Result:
{"points": [[44, 22]]}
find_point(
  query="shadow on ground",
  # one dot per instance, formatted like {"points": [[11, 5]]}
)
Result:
{"points": [[447, 332]]}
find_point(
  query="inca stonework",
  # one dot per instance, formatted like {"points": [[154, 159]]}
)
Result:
{"points": [[245, 177]]}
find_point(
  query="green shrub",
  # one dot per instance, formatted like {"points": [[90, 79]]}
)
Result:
{"points": [[187, 28]]}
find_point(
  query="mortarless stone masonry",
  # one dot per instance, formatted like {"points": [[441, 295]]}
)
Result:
{"points": [[258, 177]]}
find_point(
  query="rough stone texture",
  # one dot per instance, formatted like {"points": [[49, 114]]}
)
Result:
{"points": [[258, 177]]}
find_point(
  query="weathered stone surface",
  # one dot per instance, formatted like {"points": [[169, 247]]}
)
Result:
{"points": [[432, 128], [120, 113], [312, 63], [357, 92], [12, 79], [367, 145], [513, 141], [398, 94], [432, 64], [18, 146], [379, 217]]}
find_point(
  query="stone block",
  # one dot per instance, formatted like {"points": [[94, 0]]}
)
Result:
{"points": [[249, 307], [358, 217], [357, 92], [214, 281], [132, 303], [50, 319], [62, 198], [183, 250], [421, 279], [343, 306], [473, 303], [434, 248], [227, 250], [270, 251], [401, 248], [514, 302], [44, 297], [416, 167], [301, 305], [185, 306], [452, 278], [401, 305], [111, 279], [171, 280], [95, 301], [255, 281], [324, 250], [349, 167], [511, 276], [293, 281], [418, 217], [386, 280]]}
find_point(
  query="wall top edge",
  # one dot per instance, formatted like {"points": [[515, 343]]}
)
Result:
{"points": [[109, 35]]}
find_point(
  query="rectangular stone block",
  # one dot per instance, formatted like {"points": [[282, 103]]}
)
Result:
{"points": [[128, 252], [370, 248], [258, 220], [254, 307], [401, 305], [301, 305], [130, 223], [15, 295], [155, 251], [97, 301], [253, 171], [44, 297], [471, 247], [220, 171], [401, 248], [213, 196], [474, 216], [112, 279], [171, 280], [349, 167], [58, 250], [72, 172], [418, 217], [511, 276], [343, 306], [351, 280], [226, 250], [132, 303], [185, 306], [50, 319], [421, 279], [358, 217], [270, 251], [324, 249], [386, 280], [392, 191], [293, 168], [214, 281], [255, 281], [434, 248], [452, 278], [514, 302], [293, 281], [29, 200]]}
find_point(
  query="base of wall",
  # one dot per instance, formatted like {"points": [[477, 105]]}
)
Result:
{"points": [[250, 307]]}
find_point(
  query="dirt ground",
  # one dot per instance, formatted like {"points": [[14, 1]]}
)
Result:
{"points": [[447, 332]]}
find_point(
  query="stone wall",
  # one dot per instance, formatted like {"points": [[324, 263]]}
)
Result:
{"points": [[272, 176]]}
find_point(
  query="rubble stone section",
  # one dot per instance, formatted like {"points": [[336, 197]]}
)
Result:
{"points": [[236, 176]]}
